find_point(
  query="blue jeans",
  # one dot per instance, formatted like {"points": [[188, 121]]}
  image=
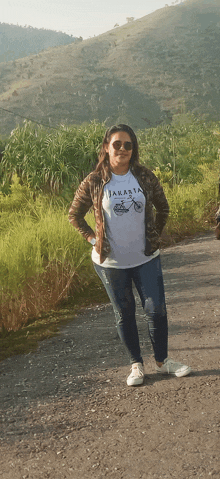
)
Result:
{"points": [[148, 280]]}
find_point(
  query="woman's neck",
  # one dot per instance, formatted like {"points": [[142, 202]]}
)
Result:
{"points": [[120, 170]]}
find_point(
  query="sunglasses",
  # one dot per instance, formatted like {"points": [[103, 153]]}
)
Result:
{"points": [[118, 144]]}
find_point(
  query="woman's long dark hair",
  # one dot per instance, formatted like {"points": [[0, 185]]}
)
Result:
{"points": [[104, 164]]}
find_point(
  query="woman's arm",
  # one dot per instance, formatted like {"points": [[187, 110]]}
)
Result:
{"points": [[81, 204], [217, 215], [161, 204], [217, 229]]}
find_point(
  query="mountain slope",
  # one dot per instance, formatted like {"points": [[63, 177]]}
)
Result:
{"points": [[141, 73], [19, 42]]}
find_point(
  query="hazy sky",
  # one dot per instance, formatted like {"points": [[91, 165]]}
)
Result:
{"points": [[77, 17]]}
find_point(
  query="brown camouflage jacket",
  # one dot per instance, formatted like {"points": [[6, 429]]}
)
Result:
{"points": [[217, 215], [90, 193]]}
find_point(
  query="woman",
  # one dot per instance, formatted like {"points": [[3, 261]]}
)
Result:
{"points": [[125, 243]]}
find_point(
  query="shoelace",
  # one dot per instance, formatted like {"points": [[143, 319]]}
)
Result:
{"points": [[170, 362], [136, 371]]}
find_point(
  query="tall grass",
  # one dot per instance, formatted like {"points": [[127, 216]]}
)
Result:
{"points": [[43, 260], [57, 160], [192, 207], [179, 148], [53, 159]]}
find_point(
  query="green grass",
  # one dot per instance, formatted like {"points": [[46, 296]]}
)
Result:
{"points": [[192, 206]]}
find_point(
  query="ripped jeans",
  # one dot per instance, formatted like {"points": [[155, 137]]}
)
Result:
{"points": [[148, 280]]}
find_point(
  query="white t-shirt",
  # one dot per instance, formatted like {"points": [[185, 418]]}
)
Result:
{"points": [[123, 205]]}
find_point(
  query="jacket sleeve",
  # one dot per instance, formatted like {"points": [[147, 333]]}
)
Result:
{"points": [[161, 205], [217, 215], [81, 204]]}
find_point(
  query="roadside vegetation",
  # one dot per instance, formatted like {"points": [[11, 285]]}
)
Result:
{"points": [[44, 262]]}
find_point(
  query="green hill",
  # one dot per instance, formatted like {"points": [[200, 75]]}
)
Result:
{"points": [[141, 73], [19, 42]]}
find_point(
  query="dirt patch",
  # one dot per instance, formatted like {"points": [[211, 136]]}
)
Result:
{"points": [[66, 411]]}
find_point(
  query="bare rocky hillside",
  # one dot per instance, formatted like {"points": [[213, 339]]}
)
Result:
{"points": [[141, 73]]}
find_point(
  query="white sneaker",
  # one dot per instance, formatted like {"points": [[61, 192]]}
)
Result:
{"points": [[172, 367], [137, 375]]}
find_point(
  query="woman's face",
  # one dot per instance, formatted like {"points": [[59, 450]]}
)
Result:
{"points": [[119, 154]]}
